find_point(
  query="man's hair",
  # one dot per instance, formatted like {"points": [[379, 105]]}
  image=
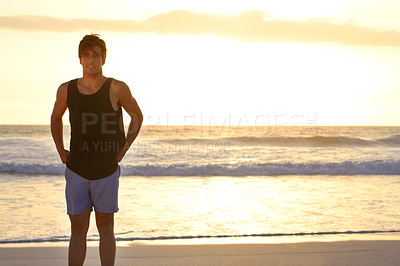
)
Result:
{"points": [[90, 41]]}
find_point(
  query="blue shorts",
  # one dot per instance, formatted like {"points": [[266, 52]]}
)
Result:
{"points": [[83, 194]]}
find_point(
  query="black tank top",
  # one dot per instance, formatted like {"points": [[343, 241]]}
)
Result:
{"points": [[97, 132]]}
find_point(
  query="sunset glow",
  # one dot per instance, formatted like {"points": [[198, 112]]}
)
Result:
{"points": [[336, 60]]}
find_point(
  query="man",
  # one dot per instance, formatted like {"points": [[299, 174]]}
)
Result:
{"points": [[97, 145]]}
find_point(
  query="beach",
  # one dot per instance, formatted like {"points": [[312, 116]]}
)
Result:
{"points": [[355, 252], [216, 196]]}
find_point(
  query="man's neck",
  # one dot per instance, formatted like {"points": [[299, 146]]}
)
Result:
{"points": [[93, 80]]}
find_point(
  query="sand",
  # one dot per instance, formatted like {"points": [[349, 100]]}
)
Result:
{"points": [[360, 252]]}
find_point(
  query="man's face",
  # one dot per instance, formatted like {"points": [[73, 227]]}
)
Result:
{"points": [[92, 60]]}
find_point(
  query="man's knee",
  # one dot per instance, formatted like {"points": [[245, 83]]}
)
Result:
{"points": [[105, 223], [80, 223]]}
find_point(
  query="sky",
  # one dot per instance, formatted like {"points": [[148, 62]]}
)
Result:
{"points": [[233, 63]]}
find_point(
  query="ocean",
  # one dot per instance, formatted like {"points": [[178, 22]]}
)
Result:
{"points": [[181, 182]]}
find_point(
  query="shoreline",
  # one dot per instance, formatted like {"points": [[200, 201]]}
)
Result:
{"points": [[226, 240]]}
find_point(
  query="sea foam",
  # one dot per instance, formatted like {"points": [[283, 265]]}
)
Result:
{"points": [[249, 169]]}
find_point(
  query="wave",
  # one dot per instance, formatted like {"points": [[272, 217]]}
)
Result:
{"points": [[314, 141], [256, 169], [32, 169], [96, 238], [268, 169]]}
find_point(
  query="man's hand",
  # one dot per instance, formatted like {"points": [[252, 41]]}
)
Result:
{"points": [[64, 156]]}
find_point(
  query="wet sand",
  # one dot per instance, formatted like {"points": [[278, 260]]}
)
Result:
{"points": [[356, 252]]}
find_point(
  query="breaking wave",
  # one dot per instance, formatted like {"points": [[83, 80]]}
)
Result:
{"points": [[257, 169], [314, 141]]}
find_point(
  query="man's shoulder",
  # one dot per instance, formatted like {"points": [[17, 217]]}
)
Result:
{"points": [[62, 91], [64, 85], [63, 88], [119, 86]]}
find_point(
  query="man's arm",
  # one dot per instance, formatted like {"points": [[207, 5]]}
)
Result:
{"points": [[126, 100], [56, 124]]}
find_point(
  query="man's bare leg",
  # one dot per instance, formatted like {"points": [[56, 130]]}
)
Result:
{"points": [[77, 242], [105, 225]]}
